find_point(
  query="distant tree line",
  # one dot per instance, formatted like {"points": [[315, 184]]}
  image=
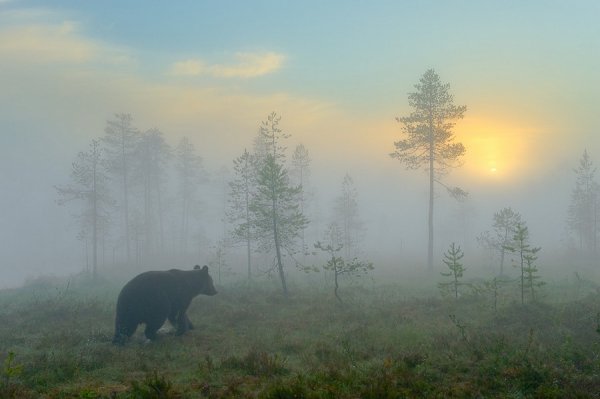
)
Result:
{"points": [[137, 196], [139, 200]]}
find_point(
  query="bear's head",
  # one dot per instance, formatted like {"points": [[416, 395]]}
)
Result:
{"points": [[203, 282]]}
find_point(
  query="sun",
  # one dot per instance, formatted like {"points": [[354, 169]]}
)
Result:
{"points": [[495, 150]]}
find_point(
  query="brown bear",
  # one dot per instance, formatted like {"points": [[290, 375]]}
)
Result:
{"points": [[153, 297]]}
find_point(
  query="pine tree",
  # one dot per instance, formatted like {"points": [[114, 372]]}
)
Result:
{"points": [[532, 278], [151, 159], [347, 216], [90, 185], [452, 259], [270, 139], [191, 173], [300, 170], [505, 223], [339, 266], [585, 205], [241, 191], [526, 255], [120, 142], [429, 143], [275, 212]]}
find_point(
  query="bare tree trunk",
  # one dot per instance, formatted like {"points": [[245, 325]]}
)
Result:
{"points": [[94, 219], [278, 250], [248, 233], [160, 221], [522, 279], [430, 224], [125, 202], [248, 254], [150, 245], [184, 225], [302, 210], [335, 279], [87, 256], [95, 242], [455, 286], [595, 204]]}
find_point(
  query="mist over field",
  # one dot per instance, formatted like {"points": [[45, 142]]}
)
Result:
{"points": [[39, 235]]}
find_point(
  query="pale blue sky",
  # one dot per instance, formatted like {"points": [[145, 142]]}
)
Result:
{"points": [[356, 53]]}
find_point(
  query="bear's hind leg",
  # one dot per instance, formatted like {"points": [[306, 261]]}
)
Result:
{"points": [[183, 323], [173, 318]]}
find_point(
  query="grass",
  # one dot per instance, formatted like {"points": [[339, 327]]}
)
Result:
{"points": [[251, 343]]}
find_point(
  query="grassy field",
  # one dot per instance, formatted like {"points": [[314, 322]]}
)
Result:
{"points": [[384, 341]]}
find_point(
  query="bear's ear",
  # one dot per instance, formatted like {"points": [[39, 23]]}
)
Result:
{"points": [[197, 267], [205, 269]]}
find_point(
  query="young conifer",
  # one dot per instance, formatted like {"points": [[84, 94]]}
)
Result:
{"points": [[452, 259]]}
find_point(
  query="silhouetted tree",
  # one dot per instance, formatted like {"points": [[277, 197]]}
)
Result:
{"points": [[275, 211], [494, 286], [218, 258], [526, 255], [505, 223], [452, 259], [429, 142], [532, 278], [240, 195], [584, 208], [300, 170], [89, 184], [120, 142], [190, 173], [152, 157], [336, 264], [347, 216], [270, 139]]}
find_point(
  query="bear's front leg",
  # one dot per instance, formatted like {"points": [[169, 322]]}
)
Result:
{"points": [[152, 327], [183, 324], [190, 326]]}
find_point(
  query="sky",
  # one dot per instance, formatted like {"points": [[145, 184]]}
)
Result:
{"points": [[338, 72]]}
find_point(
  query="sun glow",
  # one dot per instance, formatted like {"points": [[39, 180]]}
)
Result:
{"points": [[495, 150]]}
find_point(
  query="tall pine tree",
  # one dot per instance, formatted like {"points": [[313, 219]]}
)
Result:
{"points": [[583, 211], [429, 141], [241, 191], [120, 141], [89, 185]]}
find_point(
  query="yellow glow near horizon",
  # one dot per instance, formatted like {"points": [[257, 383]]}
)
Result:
{"points": [[495, 150]]}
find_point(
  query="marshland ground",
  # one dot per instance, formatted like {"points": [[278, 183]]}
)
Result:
{"points": [[389, 338]]}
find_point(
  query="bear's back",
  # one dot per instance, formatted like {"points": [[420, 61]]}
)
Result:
{"points": [[148, 284]]}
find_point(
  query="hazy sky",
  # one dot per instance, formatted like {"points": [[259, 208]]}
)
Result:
{"points": [[337, 71]]}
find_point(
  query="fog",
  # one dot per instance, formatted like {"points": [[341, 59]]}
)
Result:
{"points": [[39, 235], [65, 72]]}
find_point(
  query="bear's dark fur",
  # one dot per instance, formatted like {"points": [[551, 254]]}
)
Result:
{"points": [[153, 297]]}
